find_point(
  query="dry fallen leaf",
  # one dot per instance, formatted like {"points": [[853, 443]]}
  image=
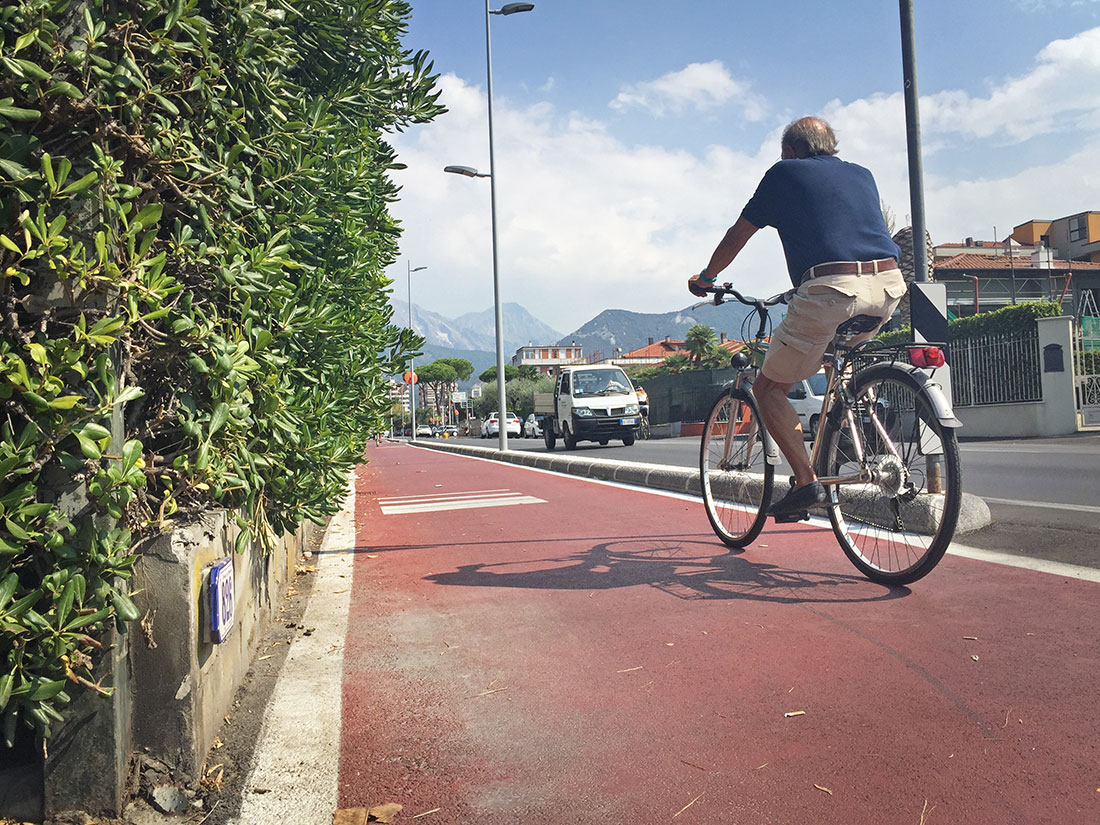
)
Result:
{"points": [[970, 638], [791, 713], [350, 816], [823, 788], [384, 813], [974, 656]]}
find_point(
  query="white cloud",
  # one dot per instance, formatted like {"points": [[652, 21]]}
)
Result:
{"points": [[589, 221], [697, 87]]}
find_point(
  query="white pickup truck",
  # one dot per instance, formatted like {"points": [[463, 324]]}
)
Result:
{"points": [[591, 402]]}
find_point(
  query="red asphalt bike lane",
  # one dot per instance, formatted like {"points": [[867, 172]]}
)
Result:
{"points": [[600, 657]]}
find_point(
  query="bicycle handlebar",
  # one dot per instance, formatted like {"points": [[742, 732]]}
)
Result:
{"points": [[759, 305], [727, 289]]}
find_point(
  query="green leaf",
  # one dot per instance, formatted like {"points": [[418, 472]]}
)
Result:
{"points": [[16, 531], [218, 418], [88, 447], [47, 690], [147, 216], [95, 431], [33, 70], [5, 688], [15, 113], [65, 88], [65, 402], [7, 590], [81, 185], [125, 609], [131, 452], [129, 394], [65, 603], [13, 170], [9, 245], [88, 619]]}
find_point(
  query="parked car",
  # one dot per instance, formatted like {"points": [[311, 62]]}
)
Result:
{"points": [[424, 431], [531, 428], [511, 425], [806, 397]]}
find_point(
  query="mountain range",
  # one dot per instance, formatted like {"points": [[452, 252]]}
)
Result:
{"points": [[475, 331], [471, 336]]}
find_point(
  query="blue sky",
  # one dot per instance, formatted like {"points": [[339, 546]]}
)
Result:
{"points": [[630, 134]]}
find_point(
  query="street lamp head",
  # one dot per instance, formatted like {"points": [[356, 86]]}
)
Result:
{"points": [[514, 8], [417, 268], [468, 171]]}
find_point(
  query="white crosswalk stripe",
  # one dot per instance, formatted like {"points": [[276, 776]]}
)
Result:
{"points": [[454, 501]]}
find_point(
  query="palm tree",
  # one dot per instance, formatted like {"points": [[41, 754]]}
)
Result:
{"points": [[701, 343], [677, 362]]}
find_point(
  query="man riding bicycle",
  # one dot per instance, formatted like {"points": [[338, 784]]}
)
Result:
{"points": [[842, 262]]}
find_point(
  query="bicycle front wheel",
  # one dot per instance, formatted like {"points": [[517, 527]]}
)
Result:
{"points": [[735, 477], [895, 523]]}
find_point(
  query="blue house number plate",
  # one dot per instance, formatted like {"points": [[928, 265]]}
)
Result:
{"points": [[221, 600]]}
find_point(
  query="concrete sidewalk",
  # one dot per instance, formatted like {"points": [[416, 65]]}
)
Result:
{"points": [[973, 515]]}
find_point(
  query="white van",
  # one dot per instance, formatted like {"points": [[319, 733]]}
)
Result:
{"points": [[806, 397]]}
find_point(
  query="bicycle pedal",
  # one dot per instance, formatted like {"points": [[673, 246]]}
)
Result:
{"points": [[790, 518]]}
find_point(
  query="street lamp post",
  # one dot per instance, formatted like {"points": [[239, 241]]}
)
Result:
{"points": [[412, 361], [502, 398]]}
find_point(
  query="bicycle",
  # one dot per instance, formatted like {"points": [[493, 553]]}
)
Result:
{"points": [[886, 451], [643, 426]]}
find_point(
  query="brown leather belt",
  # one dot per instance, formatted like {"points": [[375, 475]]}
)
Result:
{"points": [[849, 268]]}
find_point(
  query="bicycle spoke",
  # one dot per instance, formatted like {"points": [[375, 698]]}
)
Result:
{"points": [[893, 526], [734, 474]]}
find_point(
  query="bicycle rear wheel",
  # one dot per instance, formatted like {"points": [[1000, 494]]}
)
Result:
{"points": [[896, 525], [735, 477]]}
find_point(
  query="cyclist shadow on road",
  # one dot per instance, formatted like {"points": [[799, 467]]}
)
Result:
{"points": [[684, 568]]}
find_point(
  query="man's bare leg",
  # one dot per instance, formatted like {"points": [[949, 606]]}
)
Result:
{"points": [[783, 425]]}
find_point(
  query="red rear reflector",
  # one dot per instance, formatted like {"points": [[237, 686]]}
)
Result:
{"points": [[926, 357]]}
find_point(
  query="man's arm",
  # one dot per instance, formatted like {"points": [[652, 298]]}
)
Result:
{"points": [[728, 248]]}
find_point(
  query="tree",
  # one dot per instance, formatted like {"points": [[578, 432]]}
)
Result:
{"points": [[463, 368], [701, 344], [490, 374], [677, 362], [440, 377]]}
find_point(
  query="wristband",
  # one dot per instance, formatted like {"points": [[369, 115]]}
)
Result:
{"points": [[703, 277]]}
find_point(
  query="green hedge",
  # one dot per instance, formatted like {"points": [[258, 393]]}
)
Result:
{"points": [[194, 230], [1009, 320]]}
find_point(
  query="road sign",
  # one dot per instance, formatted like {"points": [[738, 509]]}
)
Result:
{"points": [[411, 377], [458, 397], [221, 600]]}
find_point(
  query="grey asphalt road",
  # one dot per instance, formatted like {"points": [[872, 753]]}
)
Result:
{"points": [[1042, 492]]}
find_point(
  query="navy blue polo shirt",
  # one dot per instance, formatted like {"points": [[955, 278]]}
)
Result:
{"points": [[825, 209]]}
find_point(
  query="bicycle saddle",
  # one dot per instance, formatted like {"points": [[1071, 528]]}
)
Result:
{"points": [[859, 323]]}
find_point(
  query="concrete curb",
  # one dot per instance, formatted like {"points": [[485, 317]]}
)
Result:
{"points": [[973, 514]]}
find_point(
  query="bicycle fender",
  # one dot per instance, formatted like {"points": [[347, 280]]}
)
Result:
{"points": [[937, 399]]}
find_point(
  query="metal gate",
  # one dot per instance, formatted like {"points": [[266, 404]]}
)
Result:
{"points": [[1086, 361]]}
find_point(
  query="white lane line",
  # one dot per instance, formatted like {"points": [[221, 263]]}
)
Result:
{"points": [[455, 497], [1044, 505], [1056, 568], [458, 504], [297, 757], [444, 495]]}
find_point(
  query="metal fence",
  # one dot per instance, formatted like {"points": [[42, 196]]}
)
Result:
{"points": [[996, 369]]}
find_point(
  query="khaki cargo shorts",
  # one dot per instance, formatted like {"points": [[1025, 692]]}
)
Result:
{"points": [[817, 308]]}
